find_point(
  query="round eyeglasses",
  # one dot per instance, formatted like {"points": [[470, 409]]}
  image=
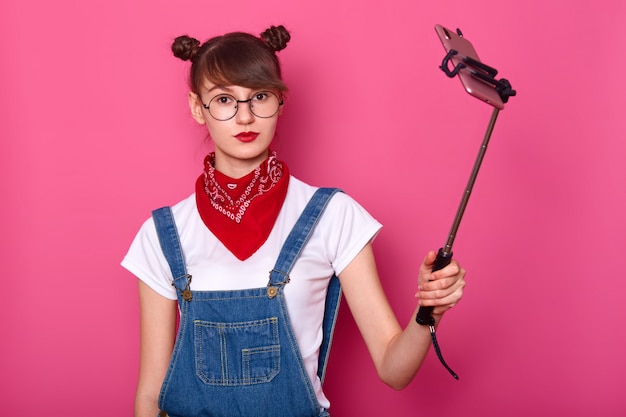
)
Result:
{"points": [[263, 104]]}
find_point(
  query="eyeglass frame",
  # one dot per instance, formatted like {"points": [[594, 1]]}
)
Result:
{"points": [[249, 101]]}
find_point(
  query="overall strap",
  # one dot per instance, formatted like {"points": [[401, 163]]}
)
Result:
{"points": [[290, 252], [170, 244], [331, 309], [300, 234]]}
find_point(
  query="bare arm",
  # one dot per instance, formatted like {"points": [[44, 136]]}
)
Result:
{"points": [[397, 353], [158, 324]]}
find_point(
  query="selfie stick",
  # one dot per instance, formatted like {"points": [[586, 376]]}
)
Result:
{"points": [[444, 255]]}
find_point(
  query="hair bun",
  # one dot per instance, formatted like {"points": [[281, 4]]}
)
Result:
{"points": [[185, 47], [276, 37]]}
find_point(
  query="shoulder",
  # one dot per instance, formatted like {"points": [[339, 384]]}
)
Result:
{"points": [[341, 232], [145, 257], [301, 193], [341, 207], [185, 208], [182, 213]]}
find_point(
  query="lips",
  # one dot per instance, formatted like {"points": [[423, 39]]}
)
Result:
{"points": [[247, 136]]}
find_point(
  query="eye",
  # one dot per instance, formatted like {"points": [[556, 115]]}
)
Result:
{"points": [[261, 96], [223, 100]]}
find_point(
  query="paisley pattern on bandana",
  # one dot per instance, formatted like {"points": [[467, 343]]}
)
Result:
{"points": [[241, 212], [260, 181]]}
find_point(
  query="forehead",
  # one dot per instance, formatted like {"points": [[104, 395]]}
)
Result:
{"points": [[234, 90]]}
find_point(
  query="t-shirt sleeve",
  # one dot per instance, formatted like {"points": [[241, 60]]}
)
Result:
{"points": [[146, 261], [350, 227]]}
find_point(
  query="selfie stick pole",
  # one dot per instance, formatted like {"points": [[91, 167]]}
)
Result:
{"points": [[444, 255]]}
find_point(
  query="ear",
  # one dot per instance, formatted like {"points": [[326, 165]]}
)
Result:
{"points": [[195, 106]]}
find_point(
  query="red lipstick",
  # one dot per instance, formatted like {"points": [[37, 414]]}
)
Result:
{"points": [[247, 136]]}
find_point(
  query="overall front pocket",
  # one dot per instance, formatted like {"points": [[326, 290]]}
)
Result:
{"points": [[233, 354]]}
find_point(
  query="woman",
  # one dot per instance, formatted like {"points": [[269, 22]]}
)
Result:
{"points": [[248, 344]]}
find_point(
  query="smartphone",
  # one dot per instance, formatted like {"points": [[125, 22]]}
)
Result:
{"points": [[471, 82]]}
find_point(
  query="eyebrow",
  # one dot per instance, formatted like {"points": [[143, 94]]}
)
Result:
{"points": [[220, 87]]}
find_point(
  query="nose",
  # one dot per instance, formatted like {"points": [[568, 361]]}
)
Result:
{"points": [[244, 113]]}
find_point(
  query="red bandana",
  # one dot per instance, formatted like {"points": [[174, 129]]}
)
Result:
{"points": [[241, 212]]}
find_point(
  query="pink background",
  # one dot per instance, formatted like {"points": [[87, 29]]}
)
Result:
{"points": [[96, 133]]}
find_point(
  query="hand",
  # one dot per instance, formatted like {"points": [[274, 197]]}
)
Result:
{"points": [[442, 289]]}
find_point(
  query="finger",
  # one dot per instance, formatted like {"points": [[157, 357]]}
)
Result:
{"points": [[449, 270], [440, 299], [450, 302], [440, 289], [441, 283]]}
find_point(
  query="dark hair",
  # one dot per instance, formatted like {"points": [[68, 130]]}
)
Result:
{"points": [[235, 58]]}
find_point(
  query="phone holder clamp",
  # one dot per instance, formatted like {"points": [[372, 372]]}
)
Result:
{"points": [[478, 70]]}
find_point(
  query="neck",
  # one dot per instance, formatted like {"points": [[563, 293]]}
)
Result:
{"points": [[238, 168]]}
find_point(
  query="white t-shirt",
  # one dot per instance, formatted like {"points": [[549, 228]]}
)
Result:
{"points": [[343, 230]]}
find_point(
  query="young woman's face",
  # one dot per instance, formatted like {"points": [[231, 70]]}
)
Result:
{"points": [[241, 138]]}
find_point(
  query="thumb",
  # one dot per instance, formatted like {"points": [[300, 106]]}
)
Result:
{"points": [[426, 269], [429, 262]]}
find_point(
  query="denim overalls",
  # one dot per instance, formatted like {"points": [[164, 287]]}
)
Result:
{"points": [[235, 352]]}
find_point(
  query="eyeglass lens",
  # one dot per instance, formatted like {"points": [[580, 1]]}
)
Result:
{"points": [[262, 104]]}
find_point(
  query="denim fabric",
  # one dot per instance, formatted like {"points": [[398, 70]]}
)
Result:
{"points": [[235, 352]]}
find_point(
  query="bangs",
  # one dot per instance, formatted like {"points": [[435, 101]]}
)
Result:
{"points": [[238, 62]]}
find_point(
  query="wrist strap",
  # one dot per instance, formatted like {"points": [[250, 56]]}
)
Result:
{"points": [[433, 336]]}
